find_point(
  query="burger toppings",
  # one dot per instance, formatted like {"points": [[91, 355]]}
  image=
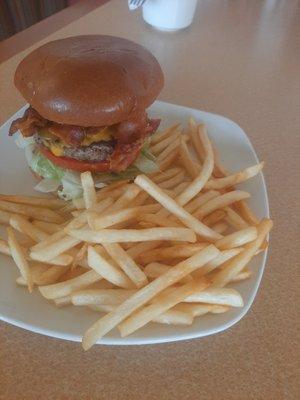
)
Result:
{"points": [[111, 148]]}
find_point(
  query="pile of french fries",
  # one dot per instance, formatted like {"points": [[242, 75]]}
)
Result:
{"points": [[160, 249]]}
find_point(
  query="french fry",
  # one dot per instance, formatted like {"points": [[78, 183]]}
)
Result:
{"points": [[159, 136], [163, 144], [81, 219], [220, 227], [220, 202], [4, 248], [100, 296], [127, 264], [159, 220], [231, 180], [237, 264], [161, 304], [223, 256], [107, 269], [47, 227], [89, 192], [234, 219], [42, 214], [63, 301], [174, 317], [246, 212], [224, 296], [237, 239], [19, 258], [172, 148], [142, 296], [133, 235], [34, 201], [162, 176], [170, 183], [208, 164], [22, 225], [194, 134], [214, 217], [196, 310], [156, 269], [124, 201], [167, 253], [168, 160], [66, 288], [190, 165], [125, 214], [52, 275], [54, 249], [139, 248], [5, 217], [171, 205], [241, 276], [79, 256], [201, 199], [170, 317]]}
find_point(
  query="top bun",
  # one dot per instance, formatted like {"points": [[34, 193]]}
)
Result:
{"points": [[91, 80]]}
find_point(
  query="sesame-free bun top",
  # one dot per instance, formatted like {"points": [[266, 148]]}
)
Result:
{"points": [[91, 80]]}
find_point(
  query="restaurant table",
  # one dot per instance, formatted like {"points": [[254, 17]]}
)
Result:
{"points": [[240, 59]]}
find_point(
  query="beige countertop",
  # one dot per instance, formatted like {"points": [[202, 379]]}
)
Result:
{"points": [[240, 59]]}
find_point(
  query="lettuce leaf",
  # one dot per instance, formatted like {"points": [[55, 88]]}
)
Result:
{"points": [[68, 182]]}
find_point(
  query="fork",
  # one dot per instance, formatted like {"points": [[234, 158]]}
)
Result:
{"points": [[133, 4]]}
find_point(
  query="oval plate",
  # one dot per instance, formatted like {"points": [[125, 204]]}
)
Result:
{"points": [[33, 312]]}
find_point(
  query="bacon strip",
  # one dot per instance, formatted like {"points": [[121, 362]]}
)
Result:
{"points": [[129, 131]]}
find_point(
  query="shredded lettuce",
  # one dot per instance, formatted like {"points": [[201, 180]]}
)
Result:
{"points": [[67, 183]]}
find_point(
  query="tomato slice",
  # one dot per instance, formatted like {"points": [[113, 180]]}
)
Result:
{"points": [[76, 165]]}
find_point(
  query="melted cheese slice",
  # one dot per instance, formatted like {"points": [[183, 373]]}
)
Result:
{"points": [[104, 135], [57, 148]]}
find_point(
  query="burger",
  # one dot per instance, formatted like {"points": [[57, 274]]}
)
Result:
{"points": [[87, 100]]}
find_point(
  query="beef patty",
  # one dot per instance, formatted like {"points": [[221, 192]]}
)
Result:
{"points": [[98, 151]]}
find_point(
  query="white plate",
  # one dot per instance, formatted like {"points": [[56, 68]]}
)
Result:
{"points": [[33, 312]]}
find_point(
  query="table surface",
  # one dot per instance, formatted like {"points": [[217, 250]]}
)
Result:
{"points": [[240, 59]]}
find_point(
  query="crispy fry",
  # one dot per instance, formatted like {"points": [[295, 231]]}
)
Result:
{"points": [[208, 164], [231, 180], [163, 144], [34, 201], [106, 269], [89, 192], [142, 296], [133, 235], [22, 225], [170, 183], [115, 217], [190, 165], [126, 263], [220, 202], [139, 248], [246, 213], [159, 136], [161, 304], [66, 288], [234, 219], [47, 227], [42, 214], [19, 258], [237, 264], [167, 253], [171, 205], [237, 239], [214, 217], [100, 296]]}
